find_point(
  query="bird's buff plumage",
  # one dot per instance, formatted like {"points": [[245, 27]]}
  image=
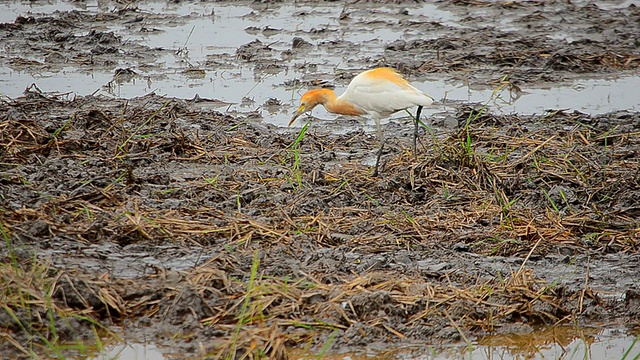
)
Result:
{"points": [[378, 93]]}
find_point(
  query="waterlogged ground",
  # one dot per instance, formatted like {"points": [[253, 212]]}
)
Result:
{"points": [[151, 194]]}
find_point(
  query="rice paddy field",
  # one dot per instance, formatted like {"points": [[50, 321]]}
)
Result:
{"points": [[154, 203]]}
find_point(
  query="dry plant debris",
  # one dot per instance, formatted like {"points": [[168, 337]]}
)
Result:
{"points": [[296, 253]]}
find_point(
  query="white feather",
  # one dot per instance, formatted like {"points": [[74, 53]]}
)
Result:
{"points": [[381, 97]]}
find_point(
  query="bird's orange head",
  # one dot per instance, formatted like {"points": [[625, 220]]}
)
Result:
{"points": [[311, 99]]}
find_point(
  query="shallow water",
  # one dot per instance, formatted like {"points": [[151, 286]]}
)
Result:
{"points": [[546, 343], [133, 351], [208, 31], [554, 343], [591, 96]]}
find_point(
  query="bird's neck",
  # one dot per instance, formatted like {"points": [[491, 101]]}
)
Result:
{"points": [[337, 105]]}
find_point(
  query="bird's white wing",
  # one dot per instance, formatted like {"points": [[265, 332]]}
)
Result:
{"points": [[382, 97]]}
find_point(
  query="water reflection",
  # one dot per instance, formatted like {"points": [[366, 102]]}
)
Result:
{"points": [[556, 343], [546, 343], [564, 342]]}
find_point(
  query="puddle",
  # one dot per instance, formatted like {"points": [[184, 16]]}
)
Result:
{"points": [[208, 32], [132, 351], [610, 5], [549, 343], [557, 343], [139, 260], [9, 10], [591, 96]]}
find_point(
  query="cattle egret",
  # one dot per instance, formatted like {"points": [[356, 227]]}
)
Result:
{"points": [[377, 92]]}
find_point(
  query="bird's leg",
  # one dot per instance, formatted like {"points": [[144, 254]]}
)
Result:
{"points": [[375, 171], [381, 141], [415, 132]]}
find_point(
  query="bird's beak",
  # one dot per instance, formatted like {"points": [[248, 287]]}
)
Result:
{"points": [[299, 112]]}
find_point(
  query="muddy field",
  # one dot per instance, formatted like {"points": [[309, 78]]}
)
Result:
{"points": [[213, 233]]}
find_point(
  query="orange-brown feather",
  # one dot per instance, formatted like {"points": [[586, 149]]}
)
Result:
{"points": [[318, 96], [343, 107], [327, 98], [387, 74]]}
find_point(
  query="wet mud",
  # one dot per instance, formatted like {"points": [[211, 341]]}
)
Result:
{"points": [[213, 233]]}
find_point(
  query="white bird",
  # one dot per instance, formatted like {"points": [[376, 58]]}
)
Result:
{"points": [[378, 93]]}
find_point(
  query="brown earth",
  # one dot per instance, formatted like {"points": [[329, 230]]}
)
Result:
{"points": [[210, 234]]}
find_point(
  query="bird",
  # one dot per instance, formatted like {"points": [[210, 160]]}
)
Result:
{"points": [[377, 92]]}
